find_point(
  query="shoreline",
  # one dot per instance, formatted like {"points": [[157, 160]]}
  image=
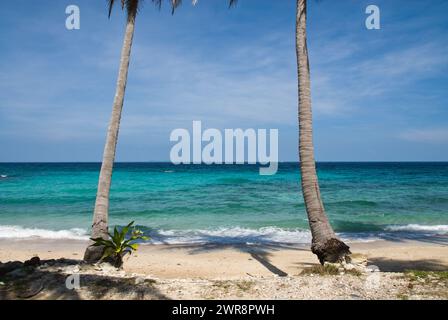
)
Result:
{"points": [[237, 260], [223, 235]]}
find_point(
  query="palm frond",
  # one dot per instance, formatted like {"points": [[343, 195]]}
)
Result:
{"points": [[231, 2], [158, 3], [110, 5], [175, 4], [132, 6]]}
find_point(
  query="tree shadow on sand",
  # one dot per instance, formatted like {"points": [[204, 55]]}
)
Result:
{"points": [[261, 250], [398, 265], [35, 284]]}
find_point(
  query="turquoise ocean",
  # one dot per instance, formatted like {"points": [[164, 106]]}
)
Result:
{"points": [[226, 203]]}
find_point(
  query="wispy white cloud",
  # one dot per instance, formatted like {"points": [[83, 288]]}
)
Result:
{"points": [[432, 135], [408, 63], [346, 86]]}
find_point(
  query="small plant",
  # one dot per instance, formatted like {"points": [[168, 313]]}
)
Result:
{"points": [[119, 245], [325, 270], [245, 285]]}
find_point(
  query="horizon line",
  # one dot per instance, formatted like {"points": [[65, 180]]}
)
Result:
{"points": [[169, 162]]}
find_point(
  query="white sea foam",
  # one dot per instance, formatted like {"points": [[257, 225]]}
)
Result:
{"points": [[245, 235], [3, 176], [439, 229], [220, 235], [18, 232], [230, 235]]}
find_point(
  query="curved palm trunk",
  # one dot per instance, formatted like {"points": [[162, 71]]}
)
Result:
{"points": [[325, 243], [100, 217]]}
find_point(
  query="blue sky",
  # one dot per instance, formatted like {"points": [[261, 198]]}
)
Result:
{"points": [[378, 95]]}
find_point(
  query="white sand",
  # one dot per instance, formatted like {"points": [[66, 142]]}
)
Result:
{"points": [[254, 272]]}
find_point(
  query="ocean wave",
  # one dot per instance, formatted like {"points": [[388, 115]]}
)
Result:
{"points": [[231, 235], [439, 229], [238, 235], [18, 232], [219, 235]]}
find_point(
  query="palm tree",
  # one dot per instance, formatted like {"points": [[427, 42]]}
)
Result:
{"points": [[101, 212], [325, 243]]}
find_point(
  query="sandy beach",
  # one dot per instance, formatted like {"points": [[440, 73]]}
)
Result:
{"points": [[246, 271]]}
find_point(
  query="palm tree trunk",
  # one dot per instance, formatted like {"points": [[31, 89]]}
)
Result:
{"points": [[325, 243], [100, 216]]}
